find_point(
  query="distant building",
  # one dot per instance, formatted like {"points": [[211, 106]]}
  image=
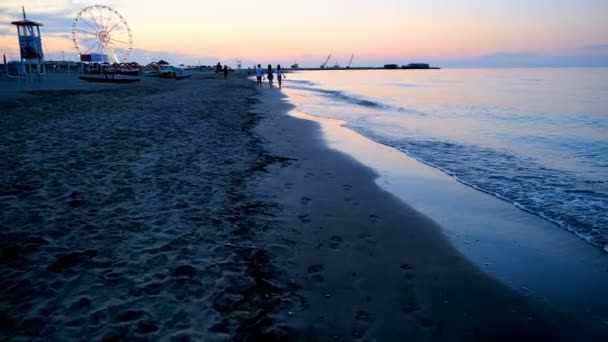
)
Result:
{"points": [[417, 66], [391, 66]]}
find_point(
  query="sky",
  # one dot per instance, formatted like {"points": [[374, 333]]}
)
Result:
{"points": [[449, 33]]}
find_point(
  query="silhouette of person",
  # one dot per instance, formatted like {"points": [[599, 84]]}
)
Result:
{"points": [[259, 73], [218, 68], [270, 75], [280, 75], [225, 71]]}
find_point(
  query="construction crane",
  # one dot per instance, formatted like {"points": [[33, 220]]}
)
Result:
{"points": [[326, 61], [351, 61]]}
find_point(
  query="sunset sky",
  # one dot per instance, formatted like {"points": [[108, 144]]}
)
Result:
{"points": [[464, 33]]}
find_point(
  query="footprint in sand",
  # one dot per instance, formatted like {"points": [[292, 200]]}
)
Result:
{"points": [[304, 218], [367, 237], [315, 271], [347, 187], [364, 316], [363, 320], [304, 200], [335, 241], [373, 218], [424, 321], [410, 307], [315, 268], [408, 271]]}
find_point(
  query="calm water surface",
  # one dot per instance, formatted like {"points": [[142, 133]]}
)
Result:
{"points": [[537, 138]]}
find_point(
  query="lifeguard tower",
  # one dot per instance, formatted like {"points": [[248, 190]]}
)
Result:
{"points": [[30, 45]]}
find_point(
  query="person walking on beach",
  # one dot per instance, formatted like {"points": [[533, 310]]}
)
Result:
{"points": [[225, 71], [218, 68], [270, 75], [259, 73], [280, 74]]}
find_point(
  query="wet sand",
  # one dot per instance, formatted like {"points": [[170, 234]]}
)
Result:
{"points": [[527, 253], [198, 210], [373, 268]]}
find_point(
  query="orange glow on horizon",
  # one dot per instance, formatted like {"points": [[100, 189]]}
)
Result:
{"points": [[308, 32]]}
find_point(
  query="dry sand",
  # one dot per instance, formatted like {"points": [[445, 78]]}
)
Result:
{"points": [[125, 215], [198, 210]]}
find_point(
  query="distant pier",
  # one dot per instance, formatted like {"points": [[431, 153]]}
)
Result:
{"points": [[411, 66]]}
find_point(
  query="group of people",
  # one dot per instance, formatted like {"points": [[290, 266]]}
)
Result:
{"points": [[259, 73], [219, 69]]}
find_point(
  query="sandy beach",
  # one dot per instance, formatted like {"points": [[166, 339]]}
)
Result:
{"points": [[199, 210]]}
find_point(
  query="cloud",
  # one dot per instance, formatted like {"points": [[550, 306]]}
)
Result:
{"points": [[501, 58], [504, 59], [11, 10], [56, 19], [601, 48], [510, 56], [523, 60], [32, 6], [55, 24]]}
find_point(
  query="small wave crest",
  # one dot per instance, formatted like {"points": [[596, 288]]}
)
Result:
{"points": [[349, 98], [340, 95], [305, 82], [558, 196]]}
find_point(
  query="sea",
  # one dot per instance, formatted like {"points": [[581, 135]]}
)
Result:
{"points": [[537, 138]]}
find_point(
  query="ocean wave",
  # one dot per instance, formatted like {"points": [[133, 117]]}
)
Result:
{"points": [[343, 96], [306, 82], [558, 196], [353, 99]]}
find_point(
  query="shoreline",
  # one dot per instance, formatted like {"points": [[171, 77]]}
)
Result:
{"points": [[484, 150], [522, 250], [387, 235], [198, 209]]}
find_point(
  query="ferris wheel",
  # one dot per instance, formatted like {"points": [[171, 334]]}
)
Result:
{"points": [[102, 30]]}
